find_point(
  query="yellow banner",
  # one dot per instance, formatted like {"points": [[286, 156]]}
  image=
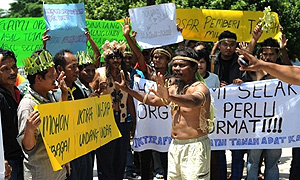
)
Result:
{"points": [[207, 25], [73, 128]]}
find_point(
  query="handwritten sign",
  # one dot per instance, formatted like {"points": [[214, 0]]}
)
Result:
{"points": [[155, 25], [154, 123], [2, 166], [24, 35], [66, 23], [21, 35], [73, 128], [256, 115], [207, 25]]}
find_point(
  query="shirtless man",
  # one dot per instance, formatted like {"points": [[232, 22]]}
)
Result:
{"points": [[189, 152]]}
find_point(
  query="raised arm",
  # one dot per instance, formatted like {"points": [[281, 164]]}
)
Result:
{"points": [[140, 58], [214, 49], [288, 74], [256, 34], [94, 47], [283, 44]]}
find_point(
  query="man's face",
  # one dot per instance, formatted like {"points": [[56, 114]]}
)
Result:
{"points": [[146, 54], [48, 83], [183, 71], [8, 71], [270, 55], [227, 48], [202, 66], [114, 60], [87, 74], [160, 61], [128, 59], [71, 68]]}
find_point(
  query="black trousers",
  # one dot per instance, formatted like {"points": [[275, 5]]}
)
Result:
{"points": [[111, 158]]}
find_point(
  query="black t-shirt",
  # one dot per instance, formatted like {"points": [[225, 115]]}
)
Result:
{"points": [[225, 66]]}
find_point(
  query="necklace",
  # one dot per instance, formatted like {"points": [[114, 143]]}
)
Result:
{"points": [[183, 90]]}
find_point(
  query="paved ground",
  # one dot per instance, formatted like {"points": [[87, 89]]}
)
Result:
{"points": [[284, 165]]}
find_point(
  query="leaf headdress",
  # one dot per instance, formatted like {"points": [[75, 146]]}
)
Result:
{"points": [[38, 62], [84, 58]]}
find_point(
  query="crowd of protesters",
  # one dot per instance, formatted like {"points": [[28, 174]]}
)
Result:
{"points": [[183, 78]]}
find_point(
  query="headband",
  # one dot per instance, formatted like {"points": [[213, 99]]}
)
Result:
{"points": [[227, 39], [162, 51], [185, 58], [269, 47], [127, 52]]}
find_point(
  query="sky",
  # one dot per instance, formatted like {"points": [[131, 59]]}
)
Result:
{"points": [[4, 4]]}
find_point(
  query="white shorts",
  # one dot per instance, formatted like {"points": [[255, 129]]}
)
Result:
{"points": [[189, 159]]}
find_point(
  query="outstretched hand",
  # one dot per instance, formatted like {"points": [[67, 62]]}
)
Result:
{"points": [[243, 45], [254, 63], [283, 40], [122, 85], [126, 27], [162, 89], [62, 83]]}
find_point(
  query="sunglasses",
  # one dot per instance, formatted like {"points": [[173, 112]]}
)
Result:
{"points": [[112, 56]]}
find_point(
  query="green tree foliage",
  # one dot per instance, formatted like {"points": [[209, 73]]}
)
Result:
{"points": [[26, 8], [110, 10], [288, 10], [3, 13]]}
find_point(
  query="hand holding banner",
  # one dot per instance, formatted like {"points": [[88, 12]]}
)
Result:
{"points": [[66, 23], [73, 128]]}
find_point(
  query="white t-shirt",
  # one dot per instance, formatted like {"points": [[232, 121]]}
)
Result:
{"points": [[212, 81]]}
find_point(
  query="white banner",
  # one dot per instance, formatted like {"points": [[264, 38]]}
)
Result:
{"points": [[155, 25], [2, 166], [256, 115], [154, 123]]}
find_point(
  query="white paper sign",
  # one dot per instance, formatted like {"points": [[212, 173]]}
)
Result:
{"points": [[154, 123], [155, 25], [256, 115], [2, 166]]}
